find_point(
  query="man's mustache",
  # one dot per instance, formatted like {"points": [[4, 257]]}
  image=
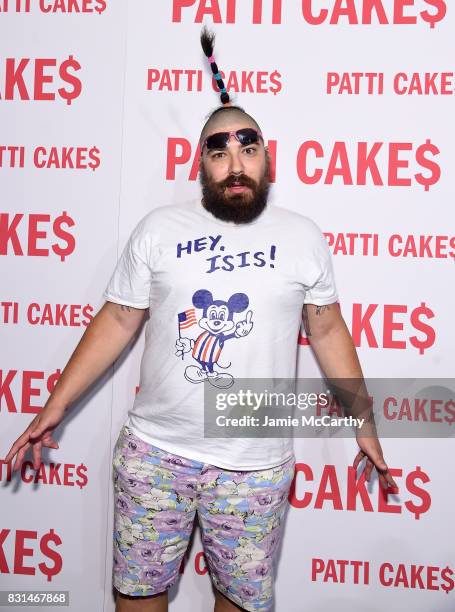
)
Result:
{"points": [[242, 180]]}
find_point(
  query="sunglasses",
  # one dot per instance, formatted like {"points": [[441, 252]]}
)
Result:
{"points": [[246, 136]]}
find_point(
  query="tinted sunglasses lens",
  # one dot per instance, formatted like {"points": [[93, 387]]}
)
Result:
{"points": [[218, 140], [247, 136]]}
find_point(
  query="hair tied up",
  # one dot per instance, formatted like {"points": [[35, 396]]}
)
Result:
{"points": [[208, 44]]}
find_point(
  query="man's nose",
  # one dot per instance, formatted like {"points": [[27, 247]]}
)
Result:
{"points": [[236, 165]]}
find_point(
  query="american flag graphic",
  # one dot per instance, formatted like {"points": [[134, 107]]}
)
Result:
{"points": [[187, 318]]}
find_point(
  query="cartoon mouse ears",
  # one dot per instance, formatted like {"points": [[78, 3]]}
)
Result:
{"points": [[238, 302]]}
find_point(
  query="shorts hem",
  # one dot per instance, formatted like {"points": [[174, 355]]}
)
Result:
{"points": [[148, 592]]}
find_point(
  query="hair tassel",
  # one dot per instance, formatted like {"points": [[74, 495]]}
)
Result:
{"points": [[207, 43]]}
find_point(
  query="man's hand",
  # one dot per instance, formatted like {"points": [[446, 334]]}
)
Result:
{"points": [[370, 448], [107, 334], [38, 434]]}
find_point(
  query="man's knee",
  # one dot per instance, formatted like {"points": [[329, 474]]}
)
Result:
{"points": [[224, 604]]}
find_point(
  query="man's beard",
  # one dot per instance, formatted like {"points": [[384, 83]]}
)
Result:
{"points": [[238, 207]]}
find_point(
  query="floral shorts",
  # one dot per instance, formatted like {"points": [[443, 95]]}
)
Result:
{"points": [[157, 495]]}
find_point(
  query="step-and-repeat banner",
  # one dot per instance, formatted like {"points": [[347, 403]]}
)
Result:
{"points": [[101, 107]]}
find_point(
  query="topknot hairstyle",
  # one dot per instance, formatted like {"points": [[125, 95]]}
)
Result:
{"points": [[208, 45]]}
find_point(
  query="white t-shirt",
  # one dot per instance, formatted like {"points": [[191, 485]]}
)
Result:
{"points": [[233, 295]]}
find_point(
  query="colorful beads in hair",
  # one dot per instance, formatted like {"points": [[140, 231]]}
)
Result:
{"points": [[207, 42]]}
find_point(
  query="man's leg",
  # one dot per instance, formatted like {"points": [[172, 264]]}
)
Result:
{"points": [[223, 604], [154, 603], [154, 511], [241, 518], [159, 603]]}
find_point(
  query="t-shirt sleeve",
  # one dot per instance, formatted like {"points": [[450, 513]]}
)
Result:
{"points": [[319, 277], [131, 280]]}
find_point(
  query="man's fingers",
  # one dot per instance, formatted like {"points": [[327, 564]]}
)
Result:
{"points": [[390, 481], [48, 441], [37, 454], [10, 454], [376, 457], [38, 429], [40, 426], [367, 470], [20, 456], [23, 439], [37, 446], [387, 482], [385, 476], [360, 455], [383, 481], [28, 438]]}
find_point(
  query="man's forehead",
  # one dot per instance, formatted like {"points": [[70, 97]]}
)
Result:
{"points": [[228, 124]]}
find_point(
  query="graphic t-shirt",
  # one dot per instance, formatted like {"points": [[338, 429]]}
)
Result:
{"points": [[228, 295]]}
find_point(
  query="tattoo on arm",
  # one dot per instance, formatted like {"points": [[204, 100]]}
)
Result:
{"points": [[306, 322], [320, 309], [123, 307]]}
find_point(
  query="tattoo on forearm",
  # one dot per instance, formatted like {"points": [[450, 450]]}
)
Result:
{"points": [[306, 322]]}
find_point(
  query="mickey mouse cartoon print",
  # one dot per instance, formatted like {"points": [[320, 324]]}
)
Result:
{"points": [[218, 324]]}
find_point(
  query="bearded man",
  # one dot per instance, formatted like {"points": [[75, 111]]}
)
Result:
{"points": [[227, 280]]}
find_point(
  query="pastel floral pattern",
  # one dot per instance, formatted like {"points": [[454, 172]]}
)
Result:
{"points": [[157, 495]]}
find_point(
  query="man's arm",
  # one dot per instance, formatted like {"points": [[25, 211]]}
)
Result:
{"points": [[334, 348], [102, 342], [331, 341]]}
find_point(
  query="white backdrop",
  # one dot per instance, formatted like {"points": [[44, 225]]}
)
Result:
{"points": [[100, 77]]}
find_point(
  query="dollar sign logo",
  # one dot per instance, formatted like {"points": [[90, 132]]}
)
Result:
{"points": [[94, 158], [71, 79], [80, 471], [70, 242], [422, 310], [441, 8], [52, 554], [277, 86], [425, 498], [429, 164]]}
